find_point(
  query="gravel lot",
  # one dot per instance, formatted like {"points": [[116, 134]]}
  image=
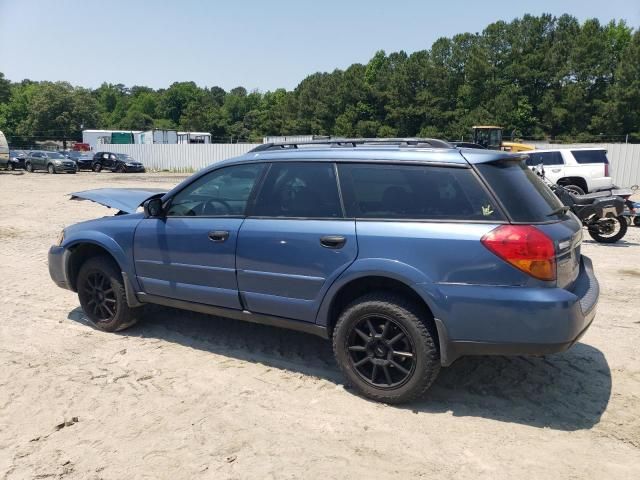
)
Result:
{"points": [[184, 395]]}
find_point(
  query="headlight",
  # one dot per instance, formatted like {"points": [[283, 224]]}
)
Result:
{"points": [[58, 162], [129, 164], [60, 237]]}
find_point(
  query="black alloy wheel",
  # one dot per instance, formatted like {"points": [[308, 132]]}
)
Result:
{"points": [[101, 298], [381, 351]]}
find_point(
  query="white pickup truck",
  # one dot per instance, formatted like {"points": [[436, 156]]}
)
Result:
{"points": [[582, 170]]}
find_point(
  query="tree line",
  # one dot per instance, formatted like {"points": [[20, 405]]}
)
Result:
{"points": [[536, 76]]}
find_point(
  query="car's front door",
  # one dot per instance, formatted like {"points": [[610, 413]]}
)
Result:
{"points": [[295, 241], [189, 254], [38, 160]]}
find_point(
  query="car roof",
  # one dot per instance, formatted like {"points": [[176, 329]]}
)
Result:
{"points": [[376, 154]]}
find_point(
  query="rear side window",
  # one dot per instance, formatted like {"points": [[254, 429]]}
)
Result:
{"points": [[521, 191], [414, 192], [546, 158], [590, 156], [299, 190]]}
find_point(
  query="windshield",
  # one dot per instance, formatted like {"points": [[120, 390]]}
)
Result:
{"points": [[524, 195], [124, 157]]}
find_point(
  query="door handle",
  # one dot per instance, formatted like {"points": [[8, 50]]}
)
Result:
{"points": [[218, 235], [555, 170], [333, 241]]}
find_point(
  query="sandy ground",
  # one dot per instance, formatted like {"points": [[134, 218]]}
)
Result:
{"points": [[184, 395]]}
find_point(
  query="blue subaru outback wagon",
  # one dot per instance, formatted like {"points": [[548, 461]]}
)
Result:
{"points": [[407, 254]]}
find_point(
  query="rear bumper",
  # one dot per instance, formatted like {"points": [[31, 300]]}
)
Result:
{"points": [[486, 320]]}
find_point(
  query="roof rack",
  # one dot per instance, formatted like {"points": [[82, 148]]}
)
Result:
{"points": [[354, 142]]}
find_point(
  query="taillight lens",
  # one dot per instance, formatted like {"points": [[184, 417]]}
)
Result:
{"points": [[525, 247], [606, 169]]}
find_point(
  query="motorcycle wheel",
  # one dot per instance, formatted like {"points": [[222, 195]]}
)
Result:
{"points": [[618, 230]]}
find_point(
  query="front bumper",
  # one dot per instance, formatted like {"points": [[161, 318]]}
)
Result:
{"points": [[134, 169], [494, 320], [65, 169], [57, 266]]}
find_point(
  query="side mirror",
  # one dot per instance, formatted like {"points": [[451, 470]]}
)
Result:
{"points": [[153, 208]]}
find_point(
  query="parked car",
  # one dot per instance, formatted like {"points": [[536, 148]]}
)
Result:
{"points": [[581, 170], [83, 160], [406, 257], [116, 162], [15, 160], [52, 162]]}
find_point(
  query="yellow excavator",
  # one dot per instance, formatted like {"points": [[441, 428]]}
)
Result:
{"points": [[490, 137]]}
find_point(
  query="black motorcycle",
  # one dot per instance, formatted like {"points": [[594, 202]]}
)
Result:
{"points": [[600, 212]]}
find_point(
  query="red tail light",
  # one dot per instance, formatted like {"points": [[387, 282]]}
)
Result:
{"points": [[525, 247], [606, 169]]}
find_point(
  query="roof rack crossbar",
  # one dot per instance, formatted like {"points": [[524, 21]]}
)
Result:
{"points": [[412, 142]]}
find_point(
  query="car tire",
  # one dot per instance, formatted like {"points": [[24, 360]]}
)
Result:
{"points": [[120, 169], [102, 295], [51, 169], [97, 167], [386, 347], [575, 189], [10, 166], [28, 167]]}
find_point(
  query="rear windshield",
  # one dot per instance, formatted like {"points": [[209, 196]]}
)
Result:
{"points": [[521, 191], [415, 192], [590, 156]]}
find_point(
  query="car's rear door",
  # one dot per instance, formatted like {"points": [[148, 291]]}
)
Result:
{"points": [[189, 254], [295, 241]]}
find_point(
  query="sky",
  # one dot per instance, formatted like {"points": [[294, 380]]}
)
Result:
{"points": [[260, 45]]}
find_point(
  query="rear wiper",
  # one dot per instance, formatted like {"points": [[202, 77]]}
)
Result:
{"points": [[560, 210]]}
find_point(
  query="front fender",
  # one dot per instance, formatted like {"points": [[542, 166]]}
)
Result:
{"points": [[100, 239], [379, 267]]}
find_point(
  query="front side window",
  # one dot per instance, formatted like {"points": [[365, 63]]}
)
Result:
{"points": [[546, 158], [221, 193], [414, 192], [299, 190]]}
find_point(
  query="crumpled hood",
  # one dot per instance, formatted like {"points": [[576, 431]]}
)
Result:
{"points": [[124, 199]]}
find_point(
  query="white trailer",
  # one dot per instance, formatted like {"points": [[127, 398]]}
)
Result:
{"points": [[157, 136], [102, 137], [194, 137]]}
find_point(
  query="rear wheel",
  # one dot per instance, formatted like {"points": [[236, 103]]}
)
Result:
{"points": [[97, 167], [609, 230], [28, 167], [575, 189], [102, 296], [386, 348], [10, 166], [51, 169]]}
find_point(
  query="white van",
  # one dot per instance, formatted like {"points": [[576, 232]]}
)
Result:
{"points": [[4, 149]]}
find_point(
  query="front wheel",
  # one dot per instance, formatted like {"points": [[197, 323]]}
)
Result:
{"points": [[97, 167], [609, 230], [120, 169], [51, 169], [29, 167], [10, 166], [102, 296], [386, 347]]}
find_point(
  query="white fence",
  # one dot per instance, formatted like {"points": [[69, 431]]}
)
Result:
{"points": [[181, 157], [624, 158]]}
